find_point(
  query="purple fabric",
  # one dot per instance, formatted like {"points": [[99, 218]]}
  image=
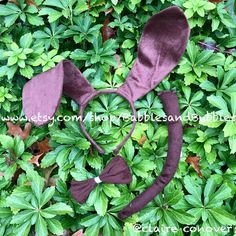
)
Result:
{"points": [[111, 174], [162, 44], [42, 94], [175, 137]]}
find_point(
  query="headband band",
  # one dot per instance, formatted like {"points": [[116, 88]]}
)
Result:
{"points": [[81, 111]]}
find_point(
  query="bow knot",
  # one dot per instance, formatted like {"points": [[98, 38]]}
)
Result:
{"points": [[116, 172], [97, 180]]}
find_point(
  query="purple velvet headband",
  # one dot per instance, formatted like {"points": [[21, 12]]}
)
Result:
{"points": [[163, 42]]}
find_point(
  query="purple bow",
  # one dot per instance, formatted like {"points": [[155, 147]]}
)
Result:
{"points": [[116, 172]]}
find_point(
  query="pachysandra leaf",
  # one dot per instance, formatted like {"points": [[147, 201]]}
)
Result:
{"points": [[58, 209], [230, 128]]}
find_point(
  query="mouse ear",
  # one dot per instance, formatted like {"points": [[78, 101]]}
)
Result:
{"points": [[42, 94], [162, 44]]}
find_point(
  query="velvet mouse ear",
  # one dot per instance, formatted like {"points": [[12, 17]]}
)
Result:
{"points": [[162, 44], [42, 94]]}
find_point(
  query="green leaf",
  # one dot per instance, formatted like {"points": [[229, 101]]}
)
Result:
{"points": [[27, 71], [208, 86], [37, 183], [54, 3], [90, 220], [63, 156], [107, 230], [209, 189], [182, 216], [5, 212], [218, 102], [173, 196], [187, 93], [23, 230], [5, 11], [131, 230], [114, 1], [222, 216], [12, 60], [150, 213], [53, 14], [207, 146], [79, 54], [50, 158], [215, 24], [111, 190], [209, 6], [193, 189], [138, 131], [101, 204], [6, 141], [232, 144], [230, 128], [229, 77], [233, 103], [54, 226], [210, 121], [83, 144], [227, 20], [10, 171], [81, 7], [129, 150], [211, 156], [58, 209], [197, 96], [93, 230], [47, 195], [128, 43], [14, 46], [19, 146], [169, 219], [194, 201], [18, 202], [22, 217], [10, 20], [141, 167], [35, 20], [26, 40], [223, 193], [41, 226]]}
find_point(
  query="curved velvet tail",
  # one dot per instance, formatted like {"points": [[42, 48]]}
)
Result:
{"points": [[175, 133]]}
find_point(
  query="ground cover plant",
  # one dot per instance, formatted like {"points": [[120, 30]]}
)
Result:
{"points": [[101, 37]]}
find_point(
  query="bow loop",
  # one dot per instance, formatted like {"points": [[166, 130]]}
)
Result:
{"points": [[80, 190], [116, 172]]}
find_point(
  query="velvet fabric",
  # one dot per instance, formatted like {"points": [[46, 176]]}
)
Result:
{"points": [[161, 46], [175, 133], [116, 172], [42, 94]]}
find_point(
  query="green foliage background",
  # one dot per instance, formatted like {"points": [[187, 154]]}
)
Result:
{"points": [[33, 39]]}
